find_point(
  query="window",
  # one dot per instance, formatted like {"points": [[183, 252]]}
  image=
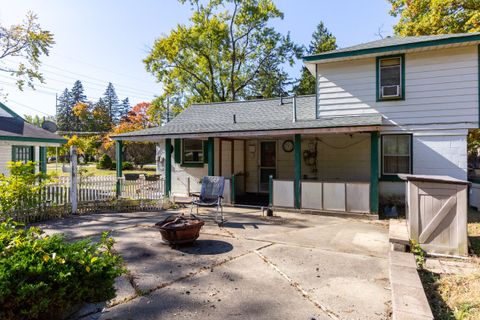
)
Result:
{"points": [[396, 154], [390, 78], [22, 153], [192, 151]]}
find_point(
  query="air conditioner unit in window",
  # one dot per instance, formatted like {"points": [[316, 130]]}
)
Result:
{"points": [[391, 91]]}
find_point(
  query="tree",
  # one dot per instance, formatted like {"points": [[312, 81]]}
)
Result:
{"points": [[427, 17], [222, 54], [123, 109], [322, 41], [77, 96], [139, 152], [25, 42], [111, 101], [65, 119]]}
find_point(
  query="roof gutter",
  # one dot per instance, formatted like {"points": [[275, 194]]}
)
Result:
{"points": [[399, 47]]}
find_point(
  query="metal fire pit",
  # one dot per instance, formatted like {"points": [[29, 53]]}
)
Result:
{"points": [[180, 229]]}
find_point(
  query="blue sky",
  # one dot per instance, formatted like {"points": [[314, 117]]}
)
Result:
{"points": [[101, 41]]}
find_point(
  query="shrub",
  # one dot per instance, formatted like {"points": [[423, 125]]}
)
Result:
{"points": [[19, 191], [105, 162], [114, 165], [44, 277], [127, 165]]}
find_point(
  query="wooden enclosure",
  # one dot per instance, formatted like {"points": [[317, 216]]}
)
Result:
{"points": [[437, 213]]}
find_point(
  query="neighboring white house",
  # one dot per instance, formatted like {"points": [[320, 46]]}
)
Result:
{"points": [[22, 141], [396, 105]]}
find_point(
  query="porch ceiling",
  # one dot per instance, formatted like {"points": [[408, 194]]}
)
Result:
{"points": [[342, 124]]}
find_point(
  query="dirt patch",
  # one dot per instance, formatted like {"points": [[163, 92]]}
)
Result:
{"points": [[474, 231]]}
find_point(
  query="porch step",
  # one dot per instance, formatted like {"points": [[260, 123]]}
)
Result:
{"points": [[398, 235]]}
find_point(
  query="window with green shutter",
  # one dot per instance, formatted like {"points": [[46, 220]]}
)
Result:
{"points": [[23, 153]]}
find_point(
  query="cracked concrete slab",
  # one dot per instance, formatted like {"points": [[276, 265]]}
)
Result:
{"points": [[227, 292]]}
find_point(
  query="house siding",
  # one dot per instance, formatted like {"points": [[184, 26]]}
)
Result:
{"points": [[441, 88], [5, 156]]}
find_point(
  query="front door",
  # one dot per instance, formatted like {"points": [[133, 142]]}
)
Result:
{"points": [[268, 163]]}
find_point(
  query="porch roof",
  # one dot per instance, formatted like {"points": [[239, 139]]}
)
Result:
{"points": [[253, 117]]}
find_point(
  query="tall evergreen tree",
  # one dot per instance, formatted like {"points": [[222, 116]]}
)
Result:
{"points": [[65, 119], [77, 94], [111, 100], [123, 109], [322, 41]]}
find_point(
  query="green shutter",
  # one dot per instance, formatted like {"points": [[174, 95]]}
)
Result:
{"points": [[178, 150], [205, 151], [43, 159]]}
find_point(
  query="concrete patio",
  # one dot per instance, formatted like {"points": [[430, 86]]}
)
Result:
{"points": [[291, 266]]}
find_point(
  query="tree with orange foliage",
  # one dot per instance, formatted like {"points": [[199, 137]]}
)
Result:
{"points": [[137, 119]]}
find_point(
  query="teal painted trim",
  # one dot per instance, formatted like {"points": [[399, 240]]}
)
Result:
{"points": [[32, 139], [398, 47], [43, 159], [317, 94], [211, 157], [270, 190], [233, 190], [205, 151], [168, 167], [377, 75], [298, 169], [177, 151], [10, 111], [32, 153], [119, 163], [374, 158]]}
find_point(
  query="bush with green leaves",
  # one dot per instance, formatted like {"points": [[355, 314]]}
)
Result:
{"points": [[20, 190], [127, 165], [105, 162], [46, 277]]}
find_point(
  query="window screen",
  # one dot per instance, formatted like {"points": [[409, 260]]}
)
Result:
{"points": [[192, 151], [396, 154]]}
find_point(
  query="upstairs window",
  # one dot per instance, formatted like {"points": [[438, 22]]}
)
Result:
{"points": [[390, 78], [396, 154], [193, 151]]}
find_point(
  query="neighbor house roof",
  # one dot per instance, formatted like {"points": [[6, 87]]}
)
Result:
{"points": [[395, 44], [251, 116], [15, 128]]}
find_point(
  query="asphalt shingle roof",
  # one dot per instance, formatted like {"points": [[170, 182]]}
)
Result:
{"points": [[393, 42], [252, 115], [15, 127]]}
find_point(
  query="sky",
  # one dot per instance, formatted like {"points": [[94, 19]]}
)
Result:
{"points": [[101, 41]]}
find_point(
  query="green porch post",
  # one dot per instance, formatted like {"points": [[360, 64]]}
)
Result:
{"points": [[211, 158], [119, 159], [298, 169], [168, 167], [43, 159], [374, 172]]}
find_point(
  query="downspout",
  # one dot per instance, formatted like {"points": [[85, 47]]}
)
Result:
{"points": [[294, 109]]}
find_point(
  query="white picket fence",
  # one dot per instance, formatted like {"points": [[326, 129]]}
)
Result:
{"points": [[102, 188]]}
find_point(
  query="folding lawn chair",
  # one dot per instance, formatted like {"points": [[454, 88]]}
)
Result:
{"points": [[211, 195]]}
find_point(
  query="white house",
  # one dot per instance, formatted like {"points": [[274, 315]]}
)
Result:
{"points": [[22, 141], [396, 105]]}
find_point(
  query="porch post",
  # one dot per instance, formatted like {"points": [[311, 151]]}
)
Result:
{"points": [[168, 167], [298, 169], [374, 172], [211, 158], [119, 162]]}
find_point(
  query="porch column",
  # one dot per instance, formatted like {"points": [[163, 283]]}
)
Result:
{"points": [[298, 169], [168, 167], [374, 172], [42, 157], [211, 157], [119, 162]]}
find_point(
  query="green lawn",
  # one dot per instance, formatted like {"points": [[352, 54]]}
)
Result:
{"points": [[91, 170]]}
